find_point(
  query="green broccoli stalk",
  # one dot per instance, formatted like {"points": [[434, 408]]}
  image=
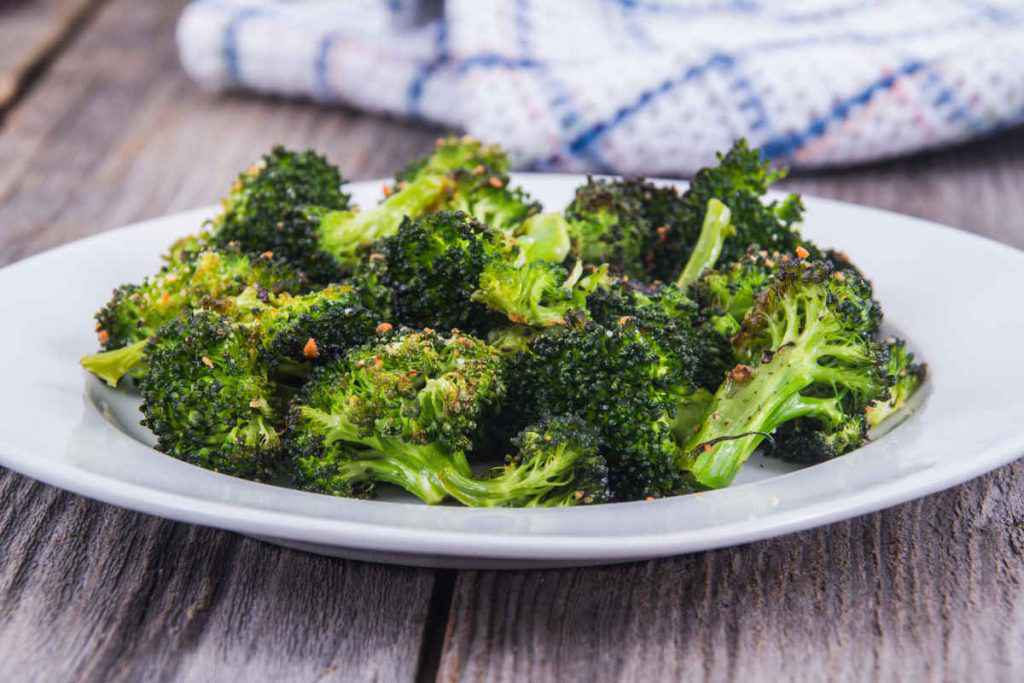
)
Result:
{"points": [[543, 237], [111, 366], [715, 230], [208, 399], [402, 410], [905, 375], [808, 351], [557, 464]]}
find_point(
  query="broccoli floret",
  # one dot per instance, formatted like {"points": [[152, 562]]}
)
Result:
{"points": [[609, 224], [557, 463], [325, 239], [208, 399], [134, 312], [258, 214], [807, 349], [403, 410], [484, 193], [809, 441], [725, 294], [433, 266], [905, 375], [647, 231], [452, 153], [739, 181], [229, 282], [298, 332], [447, 271], [674, 320], [619, 378]]}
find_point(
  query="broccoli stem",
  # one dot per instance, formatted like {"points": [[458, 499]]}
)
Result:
{"points": [[746, 409], [111, 366], [713, 233], [543, 237], [413, 467], [344, 233], [524, 485]]}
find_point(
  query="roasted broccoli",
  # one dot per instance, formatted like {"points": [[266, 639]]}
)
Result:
{"points": [[485, 194], [296, 333], [726, 293], [259, 213], [640, 344], [809, 441], [674, 320], [609, 224], [557, 463], [739, 181], [403, 410], [226, 281], [208, 398], [134, 312], [635, 386], [650, 232], [449, 271], [806, 350], [905, 375], [325, 240]]}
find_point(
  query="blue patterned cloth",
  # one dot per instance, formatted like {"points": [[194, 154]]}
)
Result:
{"points": [[637, 86]]}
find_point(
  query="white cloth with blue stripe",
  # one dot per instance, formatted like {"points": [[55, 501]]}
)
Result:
{"points": [[637, 86]]}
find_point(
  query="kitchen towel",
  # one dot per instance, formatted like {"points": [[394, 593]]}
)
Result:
{"points": [[637, 86]]}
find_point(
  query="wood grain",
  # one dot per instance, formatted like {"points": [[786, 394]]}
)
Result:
{"points": [[94, 593], [116, 133], [31, 32], [928, 591]]}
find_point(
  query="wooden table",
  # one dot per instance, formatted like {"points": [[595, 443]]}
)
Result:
{"points": [[100, 128]]}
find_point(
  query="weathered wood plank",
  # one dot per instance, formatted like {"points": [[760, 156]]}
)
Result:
{"points": [[31, 31], [92, 592], [117, 133], [930, 590], [113, 133]]}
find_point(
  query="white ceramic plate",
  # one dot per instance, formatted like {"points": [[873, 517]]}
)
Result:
{"points": [[954, 295]]}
